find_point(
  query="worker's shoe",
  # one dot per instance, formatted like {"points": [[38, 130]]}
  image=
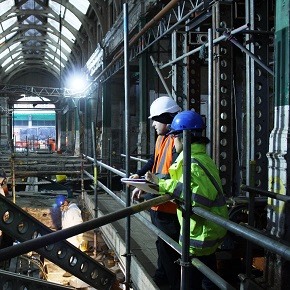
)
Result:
{"points": [[67, 274]]}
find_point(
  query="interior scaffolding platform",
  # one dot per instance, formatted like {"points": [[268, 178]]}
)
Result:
{"points": [[143, 248]]}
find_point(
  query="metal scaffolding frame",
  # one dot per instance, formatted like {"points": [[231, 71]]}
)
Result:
{"points": [[142, 40], [168, 19], [18, 224]]}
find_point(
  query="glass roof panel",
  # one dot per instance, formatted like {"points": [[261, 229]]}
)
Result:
{"points": [[53, 23], [14, 45], [65, 31], [48, 54], [81, 5], [52, 36], [68, 34], [9, 67], [31, 4], [57, 8], [63, 56], [7, 23], [5, 6], [72, 19], [4, 53], [65, 46], [14, 64], [32, 32], [52, 47], [50, 41], [14, 56], [6, 61], [10, 35], [32, 19], [48, 61], [56, 58]]}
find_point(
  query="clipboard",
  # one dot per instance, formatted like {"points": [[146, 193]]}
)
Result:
{"points": [[142, 184]]}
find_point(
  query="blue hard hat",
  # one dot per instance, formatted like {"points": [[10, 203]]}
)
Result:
{"points": [[186, 120], [60, 200], [3, 173]]}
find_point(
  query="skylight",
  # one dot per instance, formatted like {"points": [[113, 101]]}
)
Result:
{"points": [[33, 41], [5, 6], [81, 5]]}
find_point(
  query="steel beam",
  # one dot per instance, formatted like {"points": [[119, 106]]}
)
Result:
{"points": [[167, 20], [10, 280], [33, 235], [26, 229], [36, 91], [223, 114]]}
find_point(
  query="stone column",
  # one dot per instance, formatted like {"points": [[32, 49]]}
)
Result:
{"points": [[277, 269]]}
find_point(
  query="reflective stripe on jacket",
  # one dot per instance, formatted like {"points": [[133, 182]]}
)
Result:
{"points": [[162, 161], [205, 235]]}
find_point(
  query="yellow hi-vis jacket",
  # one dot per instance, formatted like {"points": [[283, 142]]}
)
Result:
{"points": [[205, 235]]}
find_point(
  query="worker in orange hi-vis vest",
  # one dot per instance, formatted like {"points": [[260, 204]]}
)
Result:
{"points": [[164, 217], [205, 236]]}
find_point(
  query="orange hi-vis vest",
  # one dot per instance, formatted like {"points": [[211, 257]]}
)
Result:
{"points": [[162, 162]]}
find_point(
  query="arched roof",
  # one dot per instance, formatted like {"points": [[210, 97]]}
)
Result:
{"points": [[45, 35]]}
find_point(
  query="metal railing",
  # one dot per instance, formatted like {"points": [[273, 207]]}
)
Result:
{"points": [[250, 234], [243, 230]]}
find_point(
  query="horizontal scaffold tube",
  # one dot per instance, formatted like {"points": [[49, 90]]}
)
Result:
{"points": [[249, 234], [217, 280], [51, 238], [271, 194]]}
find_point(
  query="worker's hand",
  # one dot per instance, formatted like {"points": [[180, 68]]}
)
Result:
{"points": [[136, 194], [149, 176], [134, 176]]}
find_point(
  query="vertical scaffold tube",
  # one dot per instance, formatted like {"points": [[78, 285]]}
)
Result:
{"points": [[127, 143], [185, 257]]}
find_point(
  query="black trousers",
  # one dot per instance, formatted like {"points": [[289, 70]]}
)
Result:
{"points": [[167, 267], [197, 280]]}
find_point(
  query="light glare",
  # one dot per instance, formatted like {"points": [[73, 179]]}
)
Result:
{"points": [[77, 83]]}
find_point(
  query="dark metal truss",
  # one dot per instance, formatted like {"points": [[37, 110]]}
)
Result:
{"points": [[18, 224], [10, 280], [153, 32], [36, 91]]}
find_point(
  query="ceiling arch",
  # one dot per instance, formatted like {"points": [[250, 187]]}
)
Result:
{"points": [[34, 34], [39, 68], [55, 36]]}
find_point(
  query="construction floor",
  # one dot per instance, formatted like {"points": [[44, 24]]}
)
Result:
{"points": [[143, 248], [110, 241]]}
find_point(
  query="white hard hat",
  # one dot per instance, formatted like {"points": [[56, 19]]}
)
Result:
{"points": [[163, 105]]}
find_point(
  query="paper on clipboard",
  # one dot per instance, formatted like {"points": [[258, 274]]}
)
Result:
{"points": [[142, 184]]}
